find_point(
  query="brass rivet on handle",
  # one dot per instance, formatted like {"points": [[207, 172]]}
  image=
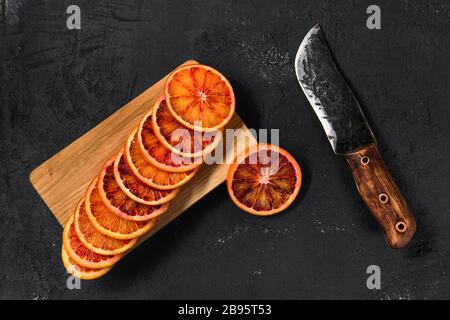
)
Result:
{"points": [[400, 226], [383, 198], [365, 160]]}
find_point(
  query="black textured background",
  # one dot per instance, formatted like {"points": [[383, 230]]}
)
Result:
{"points": [[56, 84]]}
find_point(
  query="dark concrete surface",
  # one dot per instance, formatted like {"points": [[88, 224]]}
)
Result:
{"points": [[56, 84]]}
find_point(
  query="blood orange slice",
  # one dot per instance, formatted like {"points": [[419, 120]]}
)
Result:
{"points": [[107, 222], [178, 138], [200, 97], [265, 181], [83, 256], [119, 203], [148, 173], [135, 188], [157, 153], [79, 271], [94, 239]]}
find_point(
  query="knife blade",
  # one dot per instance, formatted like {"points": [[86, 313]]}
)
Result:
{"points": [[350, 135]]}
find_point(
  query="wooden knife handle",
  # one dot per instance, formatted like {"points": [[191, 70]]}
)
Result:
{"points": [[381, 195]]}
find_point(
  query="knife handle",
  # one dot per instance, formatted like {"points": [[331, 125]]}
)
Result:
{"points": [[381, 195]]}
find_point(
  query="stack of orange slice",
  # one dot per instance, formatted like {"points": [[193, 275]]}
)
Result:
{"points": [[135, 186]]}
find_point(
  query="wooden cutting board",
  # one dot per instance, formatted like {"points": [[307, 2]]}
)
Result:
{"points": [[62, 180]]}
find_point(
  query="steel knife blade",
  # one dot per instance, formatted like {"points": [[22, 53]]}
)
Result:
{"points": [[350, 135], [330, 96]]}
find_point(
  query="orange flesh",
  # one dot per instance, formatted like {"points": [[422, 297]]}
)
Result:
{"points": [[110, 221], [136, 187], [261, 187], [157, 151], [149, 172], [80, 271], [179, 136], [120, 200], [96, 238], [81, 250], [197, 94], [80, 268]]}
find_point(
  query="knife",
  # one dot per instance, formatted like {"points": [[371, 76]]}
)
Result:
{"points": [[350, 136]]}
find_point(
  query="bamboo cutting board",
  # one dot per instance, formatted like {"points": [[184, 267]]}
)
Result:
{"points": [[62, 180]]}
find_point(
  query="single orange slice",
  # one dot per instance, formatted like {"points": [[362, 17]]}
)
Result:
{"points": [[265, 181], [79, 271], [200, 97], [135, 188], [107, 222], [178, 138], [148, 173], [157, 153], [94, 239], [119, 203], [82, 255]]}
